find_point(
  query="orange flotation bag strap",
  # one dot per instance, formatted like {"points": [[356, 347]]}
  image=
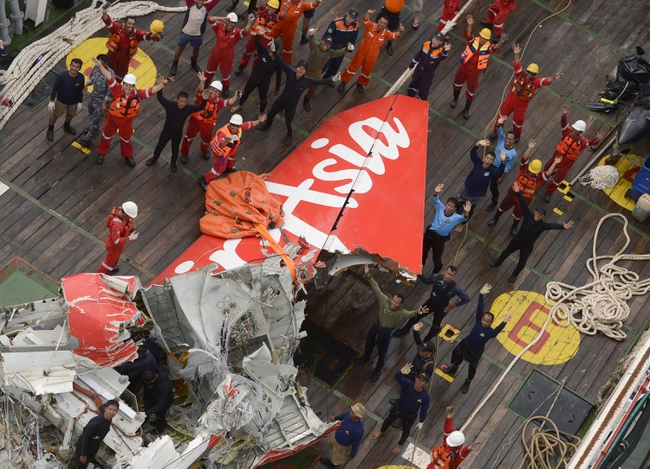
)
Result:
{"points": [[240, 206]]}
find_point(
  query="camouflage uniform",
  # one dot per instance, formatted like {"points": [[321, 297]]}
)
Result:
{"points": [[97, 97]]}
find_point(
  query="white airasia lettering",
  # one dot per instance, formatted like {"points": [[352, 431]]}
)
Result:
{"points": [[363, 185]]}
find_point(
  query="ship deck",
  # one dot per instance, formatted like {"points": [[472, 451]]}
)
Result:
{"points": [[56, 199]]}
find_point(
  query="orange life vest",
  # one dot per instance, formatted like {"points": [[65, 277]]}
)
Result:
{"points": [[263, 26], [125, 106], [426, 48], [209, 113], [442, 458], [115, 216], [483, 53], [570, 147], [225, 131], [523, 88], [113, 43], [528, 182]]}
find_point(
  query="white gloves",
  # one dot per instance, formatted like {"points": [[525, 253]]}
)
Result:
{"points": [[487, 288], [79, 107], [50, 106], [350, 46], [133, 236], [311, 31], [406, 369], [140, 417], [418, 426], [233, 138], [336, 77], [123, 379], [272, 46]]}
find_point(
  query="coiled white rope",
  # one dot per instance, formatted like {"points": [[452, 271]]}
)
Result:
{"points": [[37, 59], [601, 177], [601, 305]]}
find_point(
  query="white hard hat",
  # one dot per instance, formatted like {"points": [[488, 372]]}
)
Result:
{"points": [[236, 119], [580, 126], [129, 79], [216, 84], [232, 17], [130, 208], [455, 439]]}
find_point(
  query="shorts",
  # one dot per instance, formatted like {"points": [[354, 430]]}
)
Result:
{"points": [[60, 108], [339, 453], [309, 13], [186, 39]]}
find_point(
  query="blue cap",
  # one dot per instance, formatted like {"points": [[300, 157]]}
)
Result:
{"points": [[353, 13], [439, 36], [541, 210]]}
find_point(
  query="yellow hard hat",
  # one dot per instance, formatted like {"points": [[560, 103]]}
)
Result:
{"points": [[486, 34], [533, 68], [157, 27], [273, 4], [535, 166]]}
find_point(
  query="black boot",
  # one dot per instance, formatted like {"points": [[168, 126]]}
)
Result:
{"points": [[465, 387], [174, 68], [485, 24], [307, 105], [454, 102], [232, 6], [303, 40], [195, 65], [389, 47], [493, 205], [513, 229], [466, 111], [493, 221]]}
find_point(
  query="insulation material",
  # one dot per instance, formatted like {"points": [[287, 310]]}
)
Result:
{"points": [[39, 372], [99, 316]]}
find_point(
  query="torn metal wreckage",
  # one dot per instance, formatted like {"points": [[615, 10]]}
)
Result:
{"points": [[230, 338]]}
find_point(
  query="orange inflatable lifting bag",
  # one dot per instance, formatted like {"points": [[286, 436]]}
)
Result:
{"points": [[236, 204]]}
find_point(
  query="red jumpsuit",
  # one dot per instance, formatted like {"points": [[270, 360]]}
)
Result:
{"points": [[569, 149], [224, 158], [472, 62], [367, 52], [202, 122], [120, 117], [122, 47], [528, 184], [263, 28], [450, 9], [446, 457], [223, 52], [288, 26], [118, 237], [521, 92], [498, 12]]}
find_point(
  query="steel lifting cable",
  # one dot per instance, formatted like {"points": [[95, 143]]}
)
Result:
{"points": [[37, 59]]}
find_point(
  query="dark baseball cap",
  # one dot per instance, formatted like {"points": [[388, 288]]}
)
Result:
{"points": [[328, 39], [302, 63], [439, 36], [423, 377], [353, 13], [427, 347], [541, 210]]}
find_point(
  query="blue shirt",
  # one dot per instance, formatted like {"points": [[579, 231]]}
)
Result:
{"points": [[480, 335], [68, 90], [501, 146], [349, 433], [479, 178], [410, 400], [442, 224], [456, 291]]}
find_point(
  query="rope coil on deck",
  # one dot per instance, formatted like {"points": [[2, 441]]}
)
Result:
{"points": [[601, 305], [37, 59], [601, 177]]}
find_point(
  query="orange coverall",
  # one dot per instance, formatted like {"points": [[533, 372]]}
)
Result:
{"points": [[287, 27], [367, 52]]}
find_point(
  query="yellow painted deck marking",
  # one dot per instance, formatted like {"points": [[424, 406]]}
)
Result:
{"points": [[141, 64], [444, 375], [529, 312], [449, 333], [78, 146], [627, 170]]}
